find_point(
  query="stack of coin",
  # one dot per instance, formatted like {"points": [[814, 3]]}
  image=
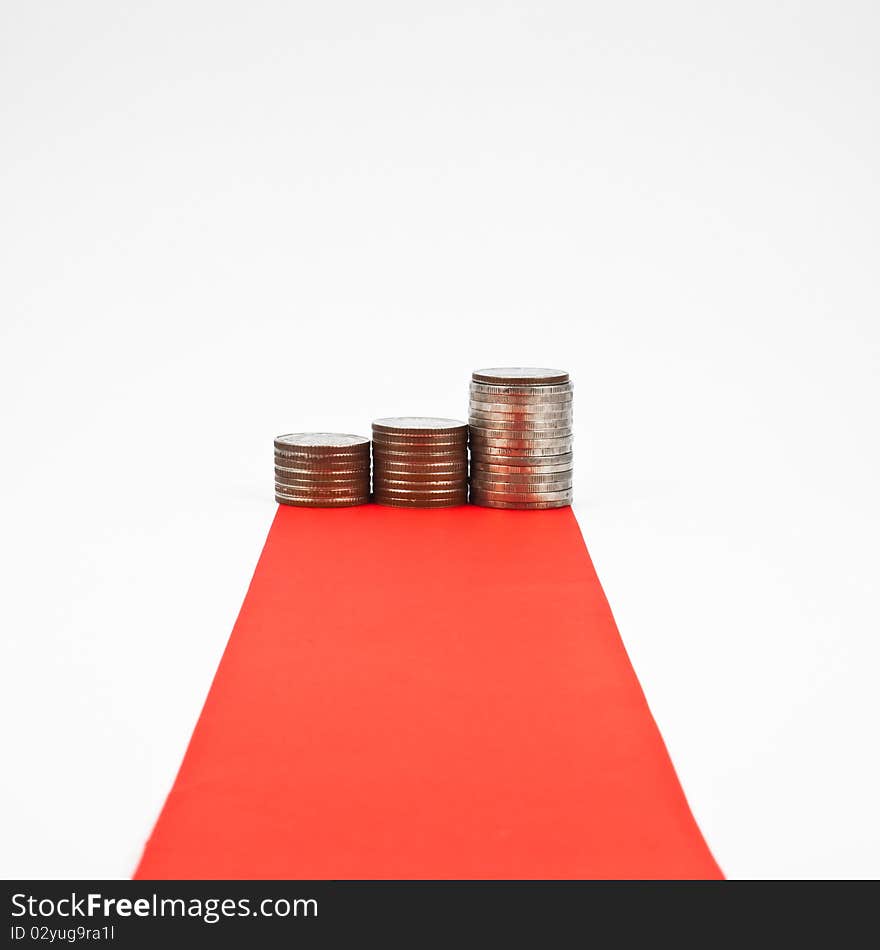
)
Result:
{"points": [[419, 462], [520, 426], [322, 469]]}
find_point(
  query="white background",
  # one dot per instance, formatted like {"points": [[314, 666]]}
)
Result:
{"points": [[221, 221]]}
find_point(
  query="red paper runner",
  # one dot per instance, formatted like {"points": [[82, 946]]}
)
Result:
{"points": [[425, 694]]}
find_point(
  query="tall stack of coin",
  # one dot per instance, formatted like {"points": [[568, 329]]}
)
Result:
{"points": [[521, 437], [322, 469], [419, 462]]}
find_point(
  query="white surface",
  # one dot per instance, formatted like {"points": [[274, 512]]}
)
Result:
{"points": [[226, 221]]}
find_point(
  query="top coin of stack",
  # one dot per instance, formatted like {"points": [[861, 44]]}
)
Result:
{"points": [[322, 469], [521, 437], [419, 462]]}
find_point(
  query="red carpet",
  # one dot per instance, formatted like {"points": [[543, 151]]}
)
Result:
{"points": [[425, 694]]}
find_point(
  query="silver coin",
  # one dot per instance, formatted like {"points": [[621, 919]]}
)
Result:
{"points": [[343, 460], [397, 503], [533, 401], [518, 430], [295, 488], [520, 478], [428, 445], [422, 464], [401, 503], [513, 402], [521, 438], [311, 503], [415, 435], [313, 458], [449, 460], [519, 375], [520, 435], [311, 440], [415, 454], [483, 494], [529, 418], [289, 491], [501, 472], [323, 461], [310, 484], [521, 408], [450, 429], [319, 503], [481, 484], [402, 445], [508, 456], [322, 502], [515, 412], [343, 471], [525, 407], [496, 463], [529, 391], [520, 505], [282, 488], [326, 476], [521, 473], [421, 488], [524, 377], [421, 461], [355, 478], [527, 398], [456, 475], [521, 403], [417, 484], [445, 470], [334, 475], [426, 495], [421, 484], [420, 455], [418, 502], [282, 477], [336, 464], [421, 444], [520, 425], [416, 424], [522, 493], [547, 490], [443, 476], [545, 446]]}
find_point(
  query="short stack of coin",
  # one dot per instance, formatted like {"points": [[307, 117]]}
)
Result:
{"points": [[521, 437], [322, 469], [419, 462]]}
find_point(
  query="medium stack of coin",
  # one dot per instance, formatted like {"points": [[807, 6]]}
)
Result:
{"points": [[419, 462], [322, 470], [520, 428]]}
